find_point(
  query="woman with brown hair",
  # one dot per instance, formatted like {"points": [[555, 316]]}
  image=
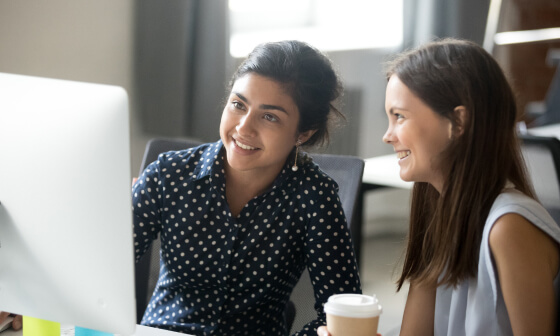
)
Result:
{"points": [[482, 255]]}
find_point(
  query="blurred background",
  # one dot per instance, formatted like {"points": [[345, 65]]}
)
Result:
{"points": [[175, 59]]}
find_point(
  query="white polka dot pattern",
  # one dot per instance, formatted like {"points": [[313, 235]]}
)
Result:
{"points": [[225, 275]]}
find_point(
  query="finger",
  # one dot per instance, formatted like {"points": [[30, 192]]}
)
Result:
{"points": [[322, 331], [3, 316], [17, 323]]}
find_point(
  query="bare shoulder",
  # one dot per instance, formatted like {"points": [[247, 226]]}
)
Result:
{"points": [[527, 262], [514, 238]]}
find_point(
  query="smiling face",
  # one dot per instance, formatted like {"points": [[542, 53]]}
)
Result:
{"points": [[259, 126], [417, 133]]}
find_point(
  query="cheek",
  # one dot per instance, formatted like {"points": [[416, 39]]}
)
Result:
{"points": [[407, 135], [225, 121], [435, 147], [281, 142]]}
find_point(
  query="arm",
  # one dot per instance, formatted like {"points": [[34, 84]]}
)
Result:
{"points": [[330, 259], [527, 261], [146, 205], [419, 311]]}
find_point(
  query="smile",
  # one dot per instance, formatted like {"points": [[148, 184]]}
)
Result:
{"points": [[239, 144], [403, 154]]}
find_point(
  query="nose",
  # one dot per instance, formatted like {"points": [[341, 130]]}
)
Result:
{"points": [[245, 126], [388, 137]]}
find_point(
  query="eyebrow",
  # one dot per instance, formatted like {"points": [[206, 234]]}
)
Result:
{"points": [[262, 106], [393, 109]]}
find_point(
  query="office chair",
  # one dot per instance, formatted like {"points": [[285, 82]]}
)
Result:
{"points": [[147, 268], [542, 156], [345, 170]]}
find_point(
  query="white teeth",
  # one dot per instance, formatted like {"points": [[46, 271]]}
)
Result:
{"points": [[243, 146], [403, 154]]}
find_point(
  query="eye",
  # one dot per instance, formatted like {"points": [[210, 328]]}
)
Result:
{"points": [[270, 117], [398, 116], [237, 105]]}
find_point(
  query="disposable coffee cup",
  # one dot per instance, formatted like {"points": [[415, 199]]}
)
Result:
{"points": [[352, 315]]}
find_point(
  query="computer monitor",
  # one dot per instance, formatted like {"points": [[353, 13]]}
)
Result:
{"points": [[66, 244]]}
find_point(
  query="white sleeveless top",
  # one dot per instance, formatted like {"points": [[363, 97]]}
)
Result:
{"points": [[476, 306]]}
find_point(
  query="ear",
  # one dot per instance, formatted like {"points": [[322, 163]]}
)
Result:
{"points": [[304, 136], [461, 118]]}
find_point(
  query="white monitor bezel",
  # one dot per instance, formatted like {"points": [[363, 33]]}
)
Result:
{"points": [[66, 247]]}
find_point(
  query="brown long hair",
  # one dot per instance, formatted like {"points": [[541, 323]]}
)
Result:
{"points": [[446, 229]]}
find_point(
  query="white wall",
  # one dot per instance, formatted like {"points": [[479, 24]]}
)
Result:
{"points": [[82, 40], [386, 210]]}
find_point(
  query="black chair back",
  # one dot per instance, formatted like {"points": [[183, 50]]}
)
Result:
{"points": [[542, 156], [347, 171], [147, 268]]}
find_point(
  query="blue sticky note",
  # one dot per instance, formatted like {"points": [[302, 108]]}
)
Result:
{"points": [[79, 331]]}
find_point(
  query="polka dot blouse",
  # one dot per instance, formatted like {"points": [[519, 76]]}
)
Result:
{"points": [[225, 275]]}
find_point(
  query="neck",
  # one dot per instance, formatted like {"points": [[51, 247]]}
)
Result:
{"points": [[242, 186]]}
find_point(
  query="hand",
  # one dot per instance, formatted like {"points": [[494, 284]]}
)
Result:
{"points": [[16, 323], [322, 331]]}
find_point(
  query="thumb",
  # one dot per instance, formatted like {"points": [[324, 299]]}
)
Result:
{"points": [[17, 322]]}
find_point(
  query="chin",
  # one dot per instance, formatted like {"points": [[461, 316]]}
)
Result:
{"points": [[405, 177]]}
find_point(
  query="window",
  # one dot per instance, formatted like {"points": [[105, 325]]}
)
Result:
{"points": [[326, 24]]}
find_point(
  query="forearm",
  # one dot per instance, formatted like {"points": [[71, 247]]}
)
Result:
{"points": [[419, 312]]}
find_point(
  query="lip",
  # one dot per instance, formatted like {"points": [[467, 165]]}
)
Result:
{"points": [[236, 145]]}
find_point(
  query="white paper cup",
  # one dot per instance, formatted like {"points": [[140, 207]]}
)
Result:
{"points": [[352, 314]]}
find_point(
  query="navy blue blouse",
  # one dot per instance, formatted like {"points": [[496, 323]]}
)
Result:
{"points": [[225, 275]]}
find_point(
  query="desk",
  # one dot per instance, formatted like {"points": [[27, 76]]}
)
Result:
{"points": [[548, 130], [140, 331], [383, 171]]}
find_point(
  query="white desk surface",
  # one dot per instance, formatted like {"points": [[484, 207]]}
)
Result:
{"points": [[384, 171], [140, 331], [548, 130]]}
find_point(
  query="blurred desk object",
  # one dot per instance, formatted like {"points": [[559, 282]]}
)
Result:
{"points": [[382, 172], [552, 130], [524, 37], [548, 111], [140, 331]]}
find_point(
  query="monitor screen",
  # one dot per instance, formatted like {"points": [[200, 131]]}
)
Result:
{"points": [[66, 246]]}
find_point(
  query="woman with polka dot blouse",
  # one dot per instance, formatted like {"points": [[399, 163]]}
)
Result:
{"points": [[241, 218]]}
